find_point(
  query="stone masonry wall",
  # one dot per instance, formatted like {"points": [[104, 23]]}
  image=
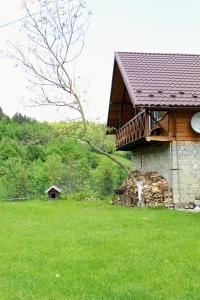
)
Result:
{"points": [[153, 158], [185, 171], [181, 168]]}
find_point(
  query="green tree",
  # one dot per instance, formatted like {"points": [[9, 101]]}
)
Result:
{"points": [[77, 176], [39, 177], [55, 168], [19, 118], [10, 148], [2, 113], [105, 178], [14, 180], [35, 152]]}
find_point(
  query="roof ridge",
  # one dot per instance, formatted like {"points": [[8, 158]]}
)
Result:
{"points": [[159, 53]]}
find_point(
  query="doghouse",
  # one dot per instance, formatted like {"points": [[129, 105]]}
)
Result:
{"points": [[53, 192]]}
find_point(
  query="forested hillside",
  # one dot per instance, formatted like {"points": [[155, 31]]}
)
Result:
{"points": [[34, 156]]}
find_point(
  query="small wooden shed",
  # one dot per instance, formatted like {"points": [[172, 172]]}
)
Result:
{"points": [[53, 192]]}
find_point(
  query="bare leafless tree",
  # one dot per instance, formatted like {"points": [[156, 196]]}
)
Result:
{"points": [[55, 33]]}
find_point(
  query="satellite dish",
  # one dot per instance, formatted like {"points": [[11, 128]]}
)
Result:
{"points": [[195, 122]]}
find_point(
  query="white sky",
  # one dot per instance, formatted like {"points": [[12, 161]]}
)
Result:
{"points": [[129, 25]]}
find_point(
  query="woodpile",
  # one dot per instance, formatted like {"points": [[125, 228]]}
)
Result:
{"points": [[155, 190]]}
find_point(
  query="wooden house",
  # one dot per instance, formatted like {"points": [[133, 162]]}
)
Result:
{"points": [[53, 192], [153, 99]]}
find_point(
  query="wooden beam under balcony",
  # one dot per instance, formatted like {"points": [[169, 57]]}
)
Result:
{"points": [[160, 138]]}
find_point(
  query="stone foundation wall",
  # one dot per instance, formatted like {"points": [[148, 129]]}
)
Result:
{"points": [[179, 164], [185, 171], [153, 158]]}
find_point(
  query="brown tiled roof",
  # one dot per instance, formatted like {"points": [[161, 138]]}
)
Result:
{"points": [[161, 79]]}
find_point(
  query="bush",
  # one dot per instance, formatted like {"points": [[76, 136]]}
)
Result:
{"points": [[79, 196]]}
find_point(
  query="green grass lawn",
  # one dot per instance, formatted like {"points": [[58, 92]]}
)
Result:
{"points": [[84, 250]]}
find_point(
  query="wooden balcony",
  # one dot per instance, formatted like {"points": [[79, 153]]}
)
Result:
{"points": [[132, 131], [143, 128]]}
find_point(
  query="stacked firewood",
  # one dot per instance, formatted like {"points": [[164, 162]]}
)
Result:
{"points": [[155, 190]]}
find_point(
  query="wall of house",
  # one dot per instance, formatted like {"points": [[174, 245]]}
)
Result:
{"points": [[153, 158], [180, 125], [179, 164], [185, 170]]}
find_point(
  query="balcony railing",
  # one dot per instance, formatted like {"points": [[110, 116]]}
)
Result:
{"points": [[146, 124], [134, 130]]}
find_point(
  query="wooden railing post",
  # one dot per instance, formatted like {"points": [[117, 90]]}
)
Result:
{"points": [[146, 124]]}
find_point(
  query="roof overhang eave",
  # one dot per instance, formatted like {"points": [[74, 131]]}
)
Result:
{"points": [[169, 107], [126, 80]]}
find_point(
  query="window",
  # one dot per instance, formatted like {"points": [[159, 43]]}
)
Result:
{"points": [[157, 116]]}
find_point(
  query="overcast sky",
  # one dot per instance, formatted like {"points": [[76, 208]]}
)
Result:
{"points": [[129, 25]]}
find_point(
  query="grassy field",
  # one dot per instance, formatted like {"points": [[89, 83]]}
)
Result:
{"points": [[84, 250]]}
